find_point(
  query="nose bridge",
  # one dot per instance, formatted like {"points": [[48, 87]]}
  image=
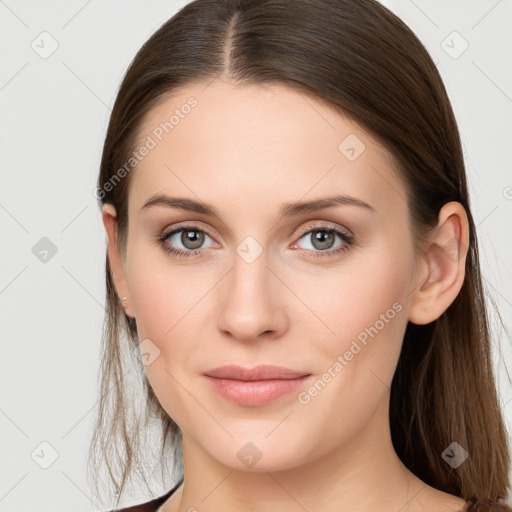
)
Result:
{"points": [[249, 300], [250, 273]]}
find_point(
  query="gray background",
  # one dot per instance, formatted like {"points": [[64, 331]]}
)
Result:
{"points": [[54, 113]]}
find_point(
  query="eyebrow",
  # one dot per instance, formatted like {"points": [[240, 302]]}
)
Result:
{"points": [[286, 210]]}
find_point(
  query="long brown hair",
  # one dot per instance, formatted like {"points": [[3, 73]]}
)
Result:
{"points": [[364, 61]]}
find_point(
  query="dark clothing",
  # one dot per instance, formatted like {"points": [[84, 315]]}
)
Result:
{"points": [[150, 506], [153, 505]]}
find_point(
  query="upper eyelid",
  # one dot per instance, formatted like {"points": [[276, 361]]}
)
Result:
{"points": [[325, 226], [185, 226], [319, 225]]}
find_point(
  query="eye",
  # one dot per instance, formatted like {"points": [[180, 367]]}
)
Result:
{"points": [[322, 240], [190, 238], [187, 240]]}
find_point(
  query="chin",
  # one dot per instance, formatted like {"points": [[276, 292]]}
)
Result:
{"points": [[257, 454]]}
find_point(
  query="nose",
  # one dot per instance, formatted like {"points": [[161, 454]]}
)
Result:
{"points": [[252, 301]]}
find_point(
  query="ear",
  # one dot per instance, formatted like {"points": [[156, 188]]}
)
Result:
{"points": [[115, 259], [442, 268]]}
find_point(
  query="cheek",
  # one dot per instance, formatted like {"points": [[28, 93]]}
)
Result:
{"points": [[356, 366], [365, 309], [161, 293], [371, 289], [167, 305], [164, 318]]}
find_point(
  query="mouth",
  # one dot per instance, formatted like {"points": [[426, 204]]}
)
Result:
{"points": [[253, 387]]}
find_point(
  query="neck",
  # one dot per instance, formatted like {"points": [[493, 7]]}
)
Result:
{"points": [[364, 474]]}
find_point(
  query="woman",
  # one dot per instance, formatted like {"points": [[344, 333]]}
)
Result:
{"points": [[293, 259]]}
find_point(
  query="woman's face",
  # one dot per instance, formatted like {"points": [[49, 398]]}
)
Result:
{"points": [[263, 287]]}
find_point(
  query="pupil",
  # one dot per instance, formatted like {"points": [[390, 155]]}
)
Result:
{"points": [[192, 237], [325, 238]]}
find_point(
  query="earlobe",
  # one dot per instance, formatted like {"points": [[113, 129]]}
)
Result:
{"points": [[443, 266], [115, 259]]}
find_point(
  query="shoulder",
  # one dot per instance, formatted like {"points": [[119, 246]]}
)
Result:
{"points": [[150, 506], [434, 500], [499, 506]]}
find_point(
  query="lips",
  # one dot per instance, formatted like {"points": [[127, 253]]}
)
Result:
{"points": [[252, 387], [264, 372]]}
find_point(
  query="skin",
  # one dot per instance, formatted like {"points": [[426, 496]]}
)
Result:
{"points": [[247, 150]]}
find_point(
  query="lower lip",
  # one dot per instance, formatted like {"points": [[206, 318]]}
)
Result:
{"points": [[257, 392]]}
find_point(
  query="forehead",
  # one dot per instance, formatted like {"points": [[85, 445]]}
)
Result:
{"points": [[259, 145]]}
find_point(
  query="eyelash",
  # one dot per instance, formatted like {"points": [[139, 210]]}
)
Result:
{"points": [[346, 237]]}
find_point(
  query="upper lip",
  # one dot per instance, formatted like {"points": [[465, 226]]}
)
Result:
{"points": [[263, 372]]}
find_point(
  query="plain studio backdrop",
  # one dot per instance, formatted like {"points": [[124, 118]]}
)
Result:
{"points": [[61, 65]]}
